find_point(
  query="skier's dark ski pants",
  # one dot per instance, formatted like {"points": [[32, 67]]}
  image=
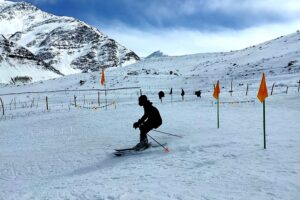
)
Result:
{"points": [[144, 129]]}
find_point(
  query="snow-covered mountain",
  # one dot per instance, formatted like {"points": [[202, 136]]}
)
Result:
{"points": [[156, 54], [72, 46], [65, 43], [278, 59], [18, 63]]}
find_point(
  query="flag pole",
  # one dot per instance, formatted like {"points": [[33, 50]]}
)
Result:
{"points": [[264, 124], [262, 95], [103, 83], [218, 110], [217, 97], [105, 96], [171, 96], [171, 93]]}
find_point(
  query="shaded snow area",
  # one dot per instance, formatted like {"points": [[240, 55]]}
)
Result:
{"points": [[68, 154]]}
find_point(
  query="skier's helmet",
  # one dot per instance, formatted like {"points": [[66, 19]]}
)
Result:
{"points": [[142, 100]]}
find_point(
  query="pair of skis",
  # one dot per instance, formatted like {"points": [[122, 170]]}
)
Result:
{"points": [[133, 150]]}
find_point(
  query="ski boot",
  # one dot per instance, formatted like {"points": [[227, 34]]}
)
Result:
{"points": [[142, 145]]}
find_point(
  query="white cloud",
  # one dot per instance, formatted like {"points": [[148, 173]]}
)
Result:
{"points": [[190, 7], [184, 41]]}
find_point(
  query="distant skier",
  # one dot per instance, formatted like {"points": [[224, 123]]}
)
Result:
{"points": [[151, 119], [182, 94]]}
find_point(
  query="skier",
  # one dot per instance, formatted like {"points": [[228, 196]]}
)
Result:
{"points": [[151, 119]]}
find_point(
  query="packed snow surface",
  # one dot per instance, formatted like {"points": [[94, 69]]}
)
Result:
{"points": [[67, 153]]}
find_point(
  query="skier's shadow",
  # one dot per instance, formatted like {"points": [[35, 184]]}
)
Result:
{"points": [[108, 162]]}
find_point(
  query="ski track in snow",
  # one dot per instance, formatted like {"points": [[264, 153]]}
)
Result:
{"points": [[68, 155]]}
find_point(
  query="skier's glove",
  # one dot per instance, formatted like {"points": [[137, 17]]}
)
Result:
{"points": [[135, 125]]}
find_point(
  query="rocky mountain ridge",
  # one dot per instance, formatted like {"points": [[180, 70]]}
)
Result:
{"points": [[64, 43]]}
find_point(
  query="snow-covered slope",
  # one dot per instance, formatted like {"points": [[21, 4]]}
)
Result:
{"points": [[275, 57], [66, 152], [279, 59], [16, 61], [67, 44]]}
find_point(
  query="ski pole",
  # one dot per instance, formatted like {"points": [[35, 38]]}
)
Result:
{"points": [[168, 133], [166, 148]]}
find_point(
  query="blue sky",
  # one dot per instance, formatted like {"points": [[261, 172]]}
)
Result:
{"points": [[179, 27]]}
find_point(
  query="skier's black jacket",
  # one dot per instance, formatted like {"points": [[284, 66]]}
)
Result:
{"points": [[151, 115]]}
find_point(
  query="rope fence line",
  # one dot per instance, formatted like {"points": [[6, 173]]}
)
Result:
{"points": [[57, 91], [93, 108], [89, 98], [16, 104]]}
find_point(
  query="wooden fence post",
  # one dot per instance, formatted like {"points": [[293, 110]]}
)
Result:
{"points": [[247, 89], [75, 101], [231, 91], [2, 105], [47, 103], [287, 88], [15, 103], [298, 85], [10, 104], [272, 88], [99, 98]]}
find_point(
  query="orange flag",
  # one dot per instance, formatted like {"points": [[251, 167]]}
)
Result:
{"points": [[217, 91], [263, 90], [102, 77]]}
